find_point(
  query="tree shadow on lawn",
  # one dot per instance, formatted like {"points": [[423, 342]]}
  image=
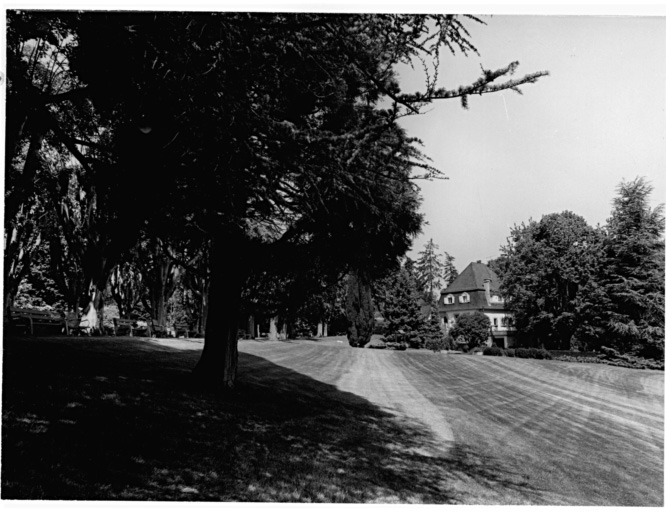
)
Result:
{"points": [[108, 419]]}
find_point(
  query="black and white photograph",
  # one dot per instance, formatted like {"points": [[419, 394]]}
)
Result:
{"points": [[320, 254]]}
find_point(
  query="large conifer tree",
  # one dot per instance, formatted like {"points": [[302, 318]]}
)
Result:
{"points": [[402, 308], [429, 271], [274, 134], [634, 271]]}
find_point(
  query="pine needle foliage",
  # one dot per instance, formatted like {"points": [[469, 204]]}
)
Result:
{"points": [[634, 277], [429, 271], [402, 309]]}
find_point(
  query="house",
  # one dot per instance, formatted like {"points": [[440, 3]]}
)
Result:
{"points": [[477, 289]]}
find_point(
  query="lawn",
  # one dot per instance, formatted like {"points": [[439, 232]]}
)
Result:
{"points": [[116, 419]]}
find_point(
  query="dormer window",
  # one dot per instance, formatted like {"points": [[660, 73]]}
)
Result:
{"points": [[449, 299], [497, 298], [464, 298]]}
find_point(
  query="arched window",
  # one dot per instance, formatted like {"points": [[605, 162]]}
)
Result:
{"points": [[449, 299], [464, 297]]}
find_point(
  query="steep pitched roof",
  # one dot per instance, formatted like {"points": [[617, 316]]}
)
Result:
{"points": [[472, 279]]}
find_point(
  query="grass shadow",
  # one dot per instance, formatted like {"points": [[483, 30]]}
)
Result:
{"points": [[114, 419]]}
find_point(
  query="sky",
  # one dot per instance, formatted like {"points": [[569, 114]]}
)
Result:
{"points": [[565, 144]]}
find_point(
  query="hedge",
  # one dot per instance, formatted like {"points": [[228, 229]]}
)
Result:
{"points": [[525, 353]]}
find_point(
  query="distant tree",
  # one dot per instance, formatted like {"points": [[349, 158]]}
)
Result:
{"points": [[160, 275], [633, 276], [497, 265], [402, 308], [429, 272], [548, 271], [450, 271], [433, 336], [127, 288], [474, 328]]}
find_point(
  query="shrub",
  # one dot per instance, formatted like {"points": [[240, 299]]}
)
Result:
{"points": [[449, 343], [522, 352], [510, 352], [540, 353], [532, 353], [493, 351], [380, 328], [610, 352], [436, 345], [473, 327]]}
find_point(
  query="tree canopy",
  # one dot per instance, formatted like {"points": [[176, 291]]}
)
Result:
{"points": [[547, 268], [472, 329], [574, 286], [273, 136]]}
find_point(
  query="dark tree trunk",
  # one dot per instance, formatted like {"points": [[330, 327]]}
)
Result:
{"points": [[8, 301], [360, 312], [161, 277], [158, 304], [218, 364], [250, 327], [22, 234], [204, 310]]}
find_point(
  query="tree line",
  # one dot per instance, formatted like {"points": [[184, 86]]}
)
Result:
{"points": [[574, 286], [253, 158]]}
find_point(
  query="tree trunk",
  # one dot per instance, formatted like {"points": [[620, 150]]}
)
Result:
{"points": [[359, 309], [250, 327], [325, 333], [284, 330], [320, 329], [8, 300], [93, 312], [218, 364], [272, 329], [158, 303], [203, 308]]}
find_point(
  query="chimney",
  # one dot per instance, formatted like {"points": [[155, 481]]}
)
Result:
{"points": [[486, 286]]}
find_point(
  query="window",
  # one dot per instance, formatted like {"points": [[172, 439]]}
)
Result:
{"points": [[449, 299], [464, 297], [495, 322]]}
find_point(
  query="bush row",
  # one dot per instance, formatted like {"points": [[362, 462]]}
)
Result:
{"points": [[525, 353], [623, 361]]}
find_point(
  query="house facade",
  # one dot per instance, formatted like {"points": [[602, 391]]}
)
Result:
{"points": [[477, 289]]}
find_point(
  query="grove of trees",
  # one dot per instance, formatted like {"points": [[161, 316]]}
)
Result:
{"points": [[236, 160], [571, 285]]}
